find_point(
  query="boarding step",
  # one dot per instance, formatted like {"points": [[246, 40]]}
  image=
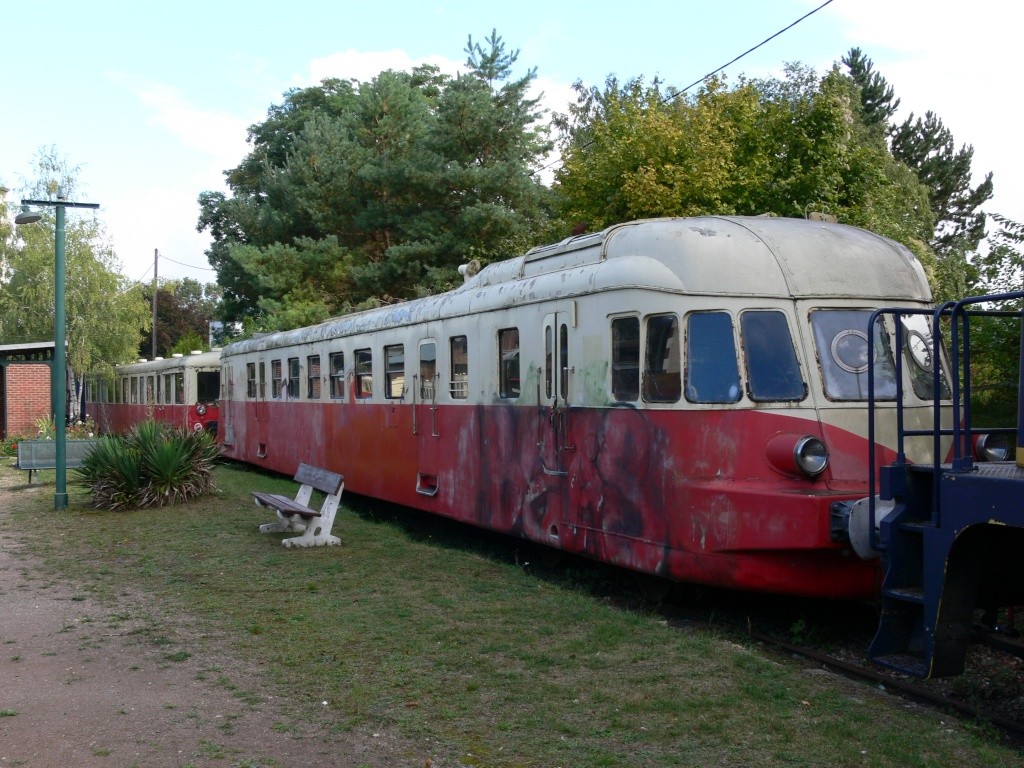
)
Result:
{"points": [[904, 662], [907, 594]]}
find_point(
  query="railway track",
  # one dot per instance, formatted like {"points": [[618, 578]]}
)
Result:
{"points": [[991, 691]]}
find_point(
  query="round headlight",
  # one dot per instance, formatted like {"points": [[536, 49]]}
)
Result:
{"points": [[201, 409], [810, 455], [994, 447]]}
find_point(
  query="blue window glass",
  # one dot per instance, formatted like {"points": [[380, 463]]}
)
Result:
{"points": [[712, 372], [773, 372]]}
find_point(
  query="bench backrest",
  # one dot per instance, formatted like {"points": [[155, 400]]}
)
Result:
{"points": [[321, 479], [43, 453]]}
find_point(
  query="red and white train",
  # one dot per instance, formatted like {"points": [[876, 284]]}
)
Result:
{"points": [[680, 397], [181, 391]]}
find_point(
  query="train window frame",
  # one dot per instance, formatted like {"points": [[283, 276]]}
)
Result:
{"points": [[250, 381], [841, 342], [276, 379], [662, 377], [761, 358], [150, 390], [708, 377], [168, 387], [263, 380], [458, 367], [134, 389], [313, 387], [625, 368], [294, 374], [362, 365], [394, 371], [336, 373], [509, 382], [428, 370], [179, 388]]}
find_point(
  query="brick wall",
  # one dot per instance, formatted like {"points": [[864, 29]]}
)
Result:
{"points": [[27, 397]]}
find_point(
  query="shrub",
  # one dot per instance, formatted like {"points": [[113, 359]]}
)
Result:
{"points": [[152, 466]]}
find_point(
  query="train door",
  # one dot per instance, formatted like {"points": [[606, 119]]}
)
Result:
{"points": [[227, 404], [552, 507], [261, 409], [554, 442], [424, 418]]}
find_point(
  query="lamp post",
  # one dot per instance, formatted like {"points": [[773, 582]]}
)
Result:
{"points": [[58, 371]]}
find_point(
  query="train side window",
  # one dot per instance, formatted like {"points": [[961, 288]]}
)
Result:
{"points": [[661, 380], [168, 389], [313, 377], [135, 390], [263, 380], [841, 339], [428, 371], [276, 379], [508, 362], [293, 377], [250, 380], [364, 373], [394, 371], [150, 394], [712, 370], [458, 386], [626, 358], [337, 362], [773, 371], [179, 388]]}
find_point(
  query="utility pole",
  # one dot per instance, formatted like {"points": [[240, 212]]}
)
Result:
{"points": [[156, 257]]}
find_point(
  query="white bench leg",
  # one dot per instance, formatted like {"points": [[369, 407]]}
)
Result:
{"points": [[318, 530]]}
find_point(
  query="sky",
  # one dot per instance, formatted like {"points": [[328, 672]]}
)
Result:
{"points": [[152, 101]]}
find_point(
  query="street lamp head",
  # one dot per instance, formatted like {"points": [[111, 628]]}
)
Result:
{"points": [[27, 216]]}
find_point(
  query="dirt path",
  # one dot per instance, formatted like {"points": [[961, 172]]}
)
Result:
{"points": [[84, 684]]}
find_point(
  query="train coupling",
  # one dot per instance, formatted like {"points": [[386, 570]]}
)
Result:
{"points": [[851, 522]]}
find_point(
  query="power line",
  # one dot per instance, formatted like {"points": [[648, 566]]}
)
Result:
{"points": [[179, 263], [675, 94]]}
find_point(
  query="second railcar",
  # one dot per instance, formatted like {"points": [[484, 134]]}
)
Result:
{"points": [[681, 397], [181, 391]]}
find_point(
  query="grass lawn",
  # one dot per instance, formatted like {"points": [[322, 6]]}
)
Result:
{"points": [[467, 652]]}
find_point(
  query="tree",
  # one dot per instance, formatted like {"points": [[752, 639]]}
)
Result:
{"points": [[774, 146], [184, 309], [358, 194], [877, 98], [104, 311], [927, 146]]}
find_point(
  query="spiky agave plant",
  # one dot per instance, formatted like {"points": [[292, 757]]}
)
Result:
{"points": [[153, 465], [112, 471]]}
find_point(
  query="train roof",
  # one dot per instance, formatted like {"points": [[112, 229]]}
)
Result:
{"points": [[742, 256], [175, 362]]}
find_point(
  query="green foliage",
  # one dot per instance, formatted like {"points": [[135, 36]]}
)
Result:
{"points": [[357, 194], [184, 309], [776, 146], [104, 311], [152, 466]]}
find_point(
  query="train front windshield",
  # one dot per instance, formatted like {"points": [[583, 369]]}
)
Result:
{"points": [[207, 386], [842, 346]]}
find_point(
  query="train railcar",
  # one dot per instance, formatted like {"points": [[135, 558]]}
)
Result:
{"points": [[951, 531], [680, 397], [181, 391]]}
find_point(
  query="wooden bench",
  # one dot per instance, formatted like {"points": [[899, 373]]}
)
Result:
{"points": [[34, 455], [296, 514]]}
